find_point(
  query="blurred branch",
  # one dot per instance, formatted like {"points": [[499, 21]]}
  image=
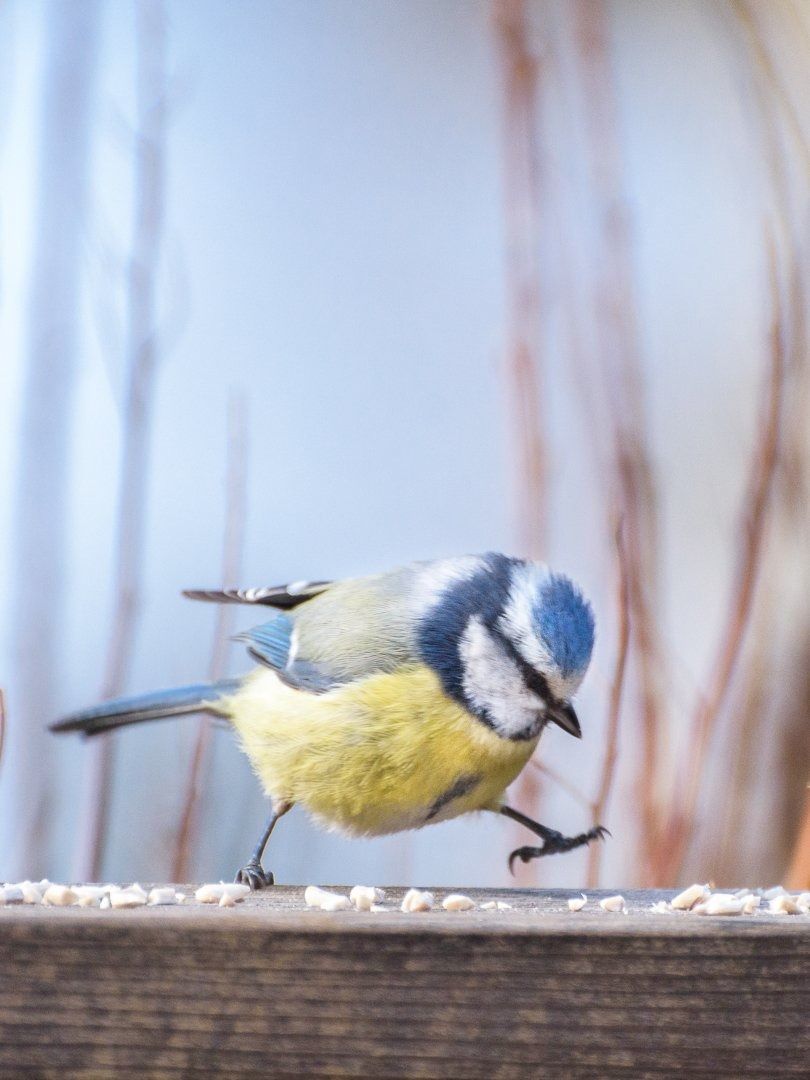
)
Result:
{"points": [[560, 780], [614, 706], [748, 15], [621, 374], [798, 875], [235, 515], [520, 73], [40, 515], [142, 361], [520, 70], [681, 820]]}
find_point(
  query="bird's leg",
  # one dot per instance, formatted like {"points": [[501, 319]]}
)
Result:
{"points": [[553, 841], [254, 874]]}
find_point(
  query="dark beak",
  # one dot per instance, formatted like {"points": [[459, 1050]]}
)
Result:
{"points": [[562, 714]]}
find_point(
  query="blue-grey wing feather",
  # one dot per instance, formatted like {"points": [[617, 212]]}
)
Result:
{"points": [[271, 644]]}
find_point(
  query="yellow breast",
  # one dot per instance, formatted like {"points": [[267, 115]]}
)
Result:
{"points": [[385, 753]]}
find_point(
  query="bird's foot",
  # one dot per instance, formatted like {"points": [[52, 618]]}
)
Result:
{"points": [[255, 876], [554, 843]]}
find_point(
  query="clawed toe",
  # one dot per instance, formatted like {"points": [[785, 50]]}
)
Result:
{"points": [[255, 877], [555, 843]]}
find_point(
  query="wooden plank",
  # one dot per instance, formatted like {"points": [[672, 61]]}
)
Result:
{"points": [[272, 989]]}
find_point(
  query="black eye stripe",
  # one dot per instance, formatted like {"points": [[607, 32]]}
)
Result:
{"points": [[531, 677]]}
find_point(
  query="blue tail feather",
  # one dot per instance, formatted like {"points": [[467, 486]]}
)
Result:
{"points": [[152, 706]]}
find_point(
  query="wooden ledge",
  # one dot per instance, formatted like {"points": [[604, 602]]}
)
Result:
{"points": [[272, 989]]}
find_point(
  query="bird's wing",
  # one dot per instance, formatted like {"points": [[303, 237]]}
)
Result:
{"points": [[283, 597], [271, 643], [329, 633]]}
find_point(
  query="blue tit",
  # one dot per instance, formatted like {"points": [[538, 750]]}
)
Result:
{"points": [[398, 700]]}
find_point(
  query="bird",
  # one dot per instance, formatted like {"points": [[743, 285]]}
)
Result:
{"points": [[396, 700]]}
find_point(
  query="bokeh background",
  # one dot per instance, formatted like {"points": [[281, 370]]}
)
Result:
{"points": [[301, 290]]}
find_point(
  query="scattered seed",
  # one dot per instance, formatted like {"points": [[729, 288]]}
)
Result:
{"points": [[32, 894], [661, 907], [380, 907], [91, 892], [325, 900], [160, 897], [783, 904], [226, 900], [213, 892], [12, 894], [457, 902], [105, 903], [687, 899], [127, 898], [416, 900], [59, 896], [771, 894], [336, 903], [720, 904], [612, 903], [364, 896], [577, 903], [750, 903]]}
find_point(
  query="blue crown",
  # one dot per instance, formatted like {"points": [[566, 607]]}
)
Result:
{"points": [[564, 621]]}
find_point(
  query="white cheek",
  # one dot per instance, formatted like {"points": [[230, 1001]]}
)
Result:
{"points": [[493, 683]]}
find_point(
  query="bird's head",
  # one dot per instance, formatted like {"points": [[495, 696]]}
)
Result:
{"points": [[512, 642], [550, 625]]}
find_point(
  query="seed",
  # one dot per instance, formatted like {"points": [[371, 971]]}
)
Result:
{"points": [[89, 901], [32, 894], [612, 903], [416, 900], [325, 900], [226, 900], [687, 899], [364, 896], [720, 904], [12, 894], [661, 907], [336, 903], [457, 902], [783, 905], [771, 894], [159, 897], [59, 896], [750, 903], [127, 898], [213, 892], [92, 892], [577, 903]]}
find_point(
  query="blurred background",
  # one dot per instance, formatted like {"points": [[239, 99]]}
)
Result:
{"points": [[309, 290]]}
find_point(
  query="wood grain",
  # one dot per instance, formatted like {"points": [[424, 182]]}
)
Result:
{"points": [[272, 989]]}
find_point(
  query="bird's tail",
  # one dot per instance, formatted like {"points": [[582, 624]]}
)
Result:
{"points": [[154, 706]]}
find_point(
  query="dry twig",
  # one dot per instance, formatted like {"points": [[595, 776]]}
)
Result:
{"points": [[798, 875], [614, 706], [680, 823], [520, 68], [235, 515], [622, 380], [142, 362]]}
